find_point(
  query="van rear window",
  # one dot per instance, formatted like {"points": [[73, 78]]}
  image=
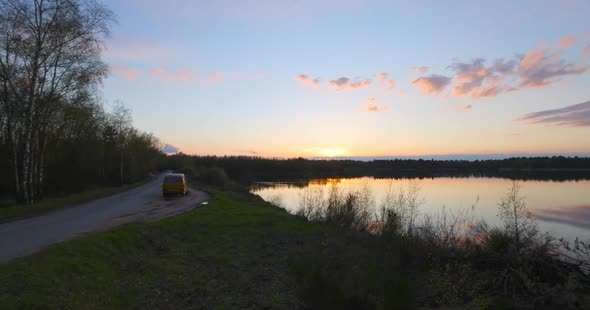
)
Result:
{"points": [[173, 180]]}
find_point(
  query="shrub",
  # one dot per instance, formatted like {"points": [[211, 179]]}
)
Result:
{"points": [[399, 210], [349, 210], [470, 263], [214, 176], [518, 222], [312, 203]]}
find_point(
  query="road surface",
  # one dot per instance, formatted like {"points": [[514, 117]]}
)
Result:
{"points": [[143, 203]]}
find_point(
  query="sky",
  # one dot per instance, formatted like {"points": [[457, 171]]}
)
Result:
{"points": [[354, 78]]}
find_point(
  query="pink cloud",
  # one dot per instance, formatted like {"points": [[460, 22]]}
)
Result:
{"points": [[541, 67], [126, 72], [345, 83], [246, 75], [420, 70], [306, 80], [164, 73], [467, 107], [566, 42], [537, 68], [433, 84], [215, 77], [477, 80], [370, 105], [385, 80], [586, 50]]}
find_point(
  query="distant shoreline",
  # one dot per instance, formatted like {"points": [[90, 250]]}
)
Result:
{"points": [[467, 157]]}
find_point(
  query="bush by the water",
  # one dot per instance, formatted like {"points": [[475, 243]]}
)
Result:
{"points": [[468, 262]]}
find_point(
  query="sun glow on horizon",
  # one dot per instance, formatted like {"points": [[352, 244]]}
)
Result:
{"points": [[333, 152]]}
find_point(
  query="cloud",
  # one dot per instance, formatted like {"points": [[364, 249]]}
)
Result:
{"points": [[566, 42], [586, 50], [433, 84], [126, 72], [170, 149], [385, 80], [457, 107], [577, 115], [420, 70], [503, 66], [370, 105], [541, 67], [260, 73], [344, 83], [306, 80], [215, 77], [164, 73], [478, 80]]}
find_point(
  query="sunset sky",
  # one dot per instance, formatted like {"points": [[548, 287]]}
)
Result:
{"points": [[354, 78]]}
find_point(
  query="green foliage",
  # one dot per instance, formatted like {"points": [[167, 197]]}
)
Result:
{"points": [[210, 257], [350, 270], [55, 136], [469, 263], [86, 153], [214, 176]]}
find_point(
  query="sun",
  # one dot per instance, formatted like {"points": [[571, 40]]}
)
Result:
{"points": [[331, 152]]}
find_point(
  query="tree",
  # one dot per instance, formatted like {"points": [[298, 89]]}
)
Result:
{"points": [[518, 222], [49, 59], [120, 123]]}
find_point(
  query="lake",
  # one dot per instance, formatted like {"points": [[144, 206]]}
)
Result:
{"points": [[561, 208]]}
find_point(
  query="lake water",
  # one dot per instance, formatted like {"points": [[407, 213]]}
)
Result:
{"points": [[561, 208]]}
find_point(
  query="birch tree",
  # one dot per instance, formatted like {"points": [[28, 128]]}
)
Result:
{"points": [[49, 58], [121, 124]]}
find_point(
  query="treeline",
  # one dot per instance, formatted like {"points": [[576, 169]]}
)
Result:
{"points": [[55, 136], [247, 169]]}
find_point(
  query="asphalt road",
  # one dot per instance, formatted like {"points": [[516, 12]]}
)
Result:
{"points": [[143, 203]]}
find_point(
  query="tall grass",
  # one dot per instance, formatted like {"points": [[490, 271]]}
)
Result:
{"points": [[349, 210], [468, 260]]}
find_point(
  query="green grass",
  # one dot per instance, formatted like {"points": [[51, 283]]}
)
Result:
{"points": [[10, 211], [236, 252]]}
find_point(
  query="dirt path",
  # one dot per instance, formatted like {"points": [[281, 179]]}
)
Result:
{"points": [[141, 204]]}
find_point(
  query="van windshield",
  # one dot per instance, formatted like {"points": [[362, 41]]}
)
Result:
{"points": [[173, 180]]}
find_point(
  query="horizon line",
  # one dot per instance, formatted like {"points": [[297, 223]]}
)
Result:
{"points": [[467, 156]]}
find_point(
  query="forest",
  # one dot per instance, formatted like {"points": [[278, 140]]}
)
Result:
{"points": [[247, 169], [56, 136]]}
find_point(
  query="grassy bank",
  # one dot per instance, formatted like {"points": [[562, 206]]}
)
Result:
{"points": [[241, 252], [10, 211], [236, 252]]}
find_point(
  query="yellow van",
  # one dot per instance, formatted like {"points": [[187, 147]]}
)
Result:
{"points": [[174, 184]]}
